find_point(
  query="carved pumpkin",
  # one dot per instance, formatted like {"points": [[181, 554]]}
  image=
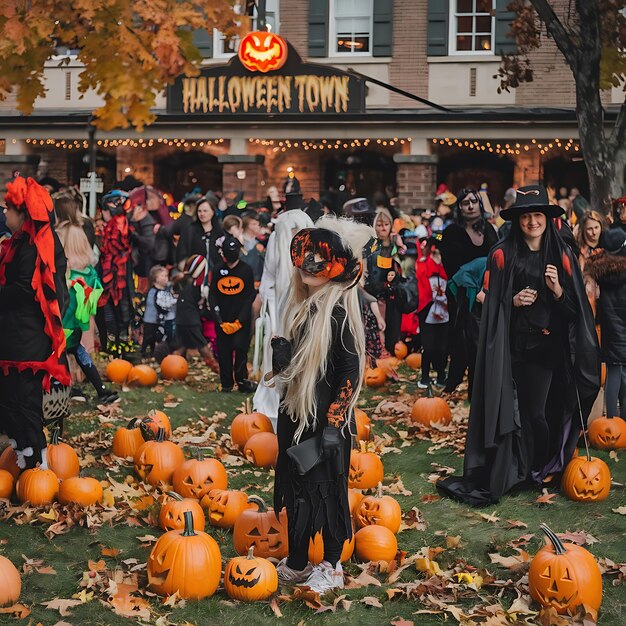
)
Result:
{"points": [[414, 360], [379, 510], [8, 462], [564, 576], [262, 449], [185, 561], [224, 506], [607, 433], [174, 367], [400, 350], [262, 51], [429, 409], [247, 424], [316, 549], [10, 583], [172, 514], [37, 486], [230, 285], [83, 491], [586, 479], [354, 499], [156, 461], [117, 371], [6, 484], [375, 377], [263, 530], [197, 477], [62, 458], [250, 578], [375, 543], [152, 422], [142, 376], [127, 440], [366, 469], [363, 425]]}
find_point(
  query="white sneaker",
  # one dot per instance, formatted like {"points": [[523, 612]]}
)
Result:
{"points": [[325, 577], [289, 576]]}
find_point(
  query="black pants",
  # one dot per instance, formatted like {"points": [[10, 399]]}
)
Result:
{"points": [[434, 339], [149, 337], [233, 369], [615, 390], [113, 321], [393, 321]]}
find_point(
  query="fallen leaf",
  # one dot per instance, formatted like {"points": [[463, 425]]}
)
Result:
{"points": [[491, 517], [579, 537], [399, 621], [19, 611], [110, 551], [96, 566], [48, 569], [453, 542], [514, 523], [412, 520], [549, 617], [620, 509], [61, 605], [84, 596], [546, 497], [511, 562], [275, 608], [371, 601]]}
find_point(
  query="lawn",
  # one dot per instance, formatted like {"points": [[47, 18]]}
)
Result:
{"points": [[443, 572]]}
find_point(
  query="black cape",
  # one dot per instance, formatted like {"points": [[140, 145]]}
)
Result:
{"points": [[494, 459]]}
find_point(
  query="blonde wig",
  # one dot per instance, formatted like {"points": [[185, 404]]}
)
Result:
{"points": [[307, 320], [75, 245]]}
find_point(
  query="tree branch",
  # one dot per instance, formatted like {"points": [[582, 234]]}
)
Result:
{"points": [[557, 30]]}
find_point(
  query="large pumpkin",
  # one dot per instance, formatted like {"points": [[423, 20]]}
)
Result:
{"points": [[250, 578], [366, 469], [142, 376], [83, 491], [564, 576], [375, 377], [261, 51], [151, 423], [37, 486], [607, 433], [363, 425], [316, 549], [6, 484], [127, 439], [174, 367], [400, 350], [224, 506], [429, 409], [156, 461], [379, 510], [195, 478], [172, 514], [586, 479], [262, 449], [262, 529], [375, 543], [62, 458], [414, 360], [247, 424], [117, 370], [10, 583], [8, 462], [185, 561]]}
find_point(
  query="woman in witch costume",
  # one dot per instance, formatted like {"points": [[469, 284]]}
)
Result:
{"points": [[320, 361], [538, 368]]}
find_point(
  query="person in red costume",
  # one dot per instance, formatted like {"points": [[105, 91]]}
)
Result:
{"points": [[33, 296]]}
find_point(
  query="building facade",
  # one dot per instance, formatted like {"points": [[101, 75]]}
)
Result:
{"points": [[431, 111]]}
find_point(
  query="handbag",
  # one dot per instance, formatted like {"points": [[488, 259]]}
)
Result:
{"points": [[306, 455], [406, 295]]}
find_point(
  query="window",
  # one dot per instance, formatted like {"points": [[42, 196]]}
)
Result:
{"points": [[472, 25], [351, 23]]}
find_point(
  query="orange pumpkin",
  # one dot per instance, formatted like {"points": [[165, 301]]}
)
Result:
{"points": [[152, 422], [564, 576], [83, 491], [250, 578], [354, 499], [37, 486], [375, 377], [379, 510], [363, 425], [375, 543], [224, 506], [366, 469], [142, 376], [174, 367], [429, 409], [10, 583], [400, 350], [195, 478], [156, 461], [247, 424], [62, 458], [117, 371], [172, 514], [586, 479], [607, 433], [316, 549], [262, 529], [262, 449], [389, 365], [6, 484], [261, 51], [414, 360], [127, 440], [8, 462]]}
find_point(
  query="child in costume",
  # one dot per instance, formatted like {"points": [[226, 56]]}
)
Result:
{"points": [[160, 314], [320, 362]]}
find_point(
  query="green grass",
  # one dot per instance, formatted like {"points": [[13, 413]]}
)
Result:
{"points": [[69, 553]]}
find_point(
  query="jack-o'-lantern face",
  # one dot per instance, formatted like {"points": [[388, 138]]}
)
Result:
{"points": [[224, 507], [230, 285], [590, 481], [586, 479], [262, 51], [242, 576], [366, 470], [559, 586], [608, 433], [263, 531]]}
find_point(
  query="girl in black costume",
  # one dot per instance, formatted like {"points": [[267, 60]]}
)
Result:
{"points": [[537, 370], [321, 363]]}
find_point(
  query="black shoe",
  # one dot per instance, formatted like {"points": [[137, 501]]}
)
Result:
{"points": [[246, 386], [77, 395], [226, 389], [107, 397]]}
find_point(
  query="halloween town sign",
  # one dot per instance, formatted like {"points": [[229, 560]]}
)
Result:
{"points": [[296, 88]]}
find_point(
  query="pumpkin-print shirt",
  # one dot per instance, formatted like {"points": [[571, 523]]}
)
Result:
{"points": [[232, 290]]}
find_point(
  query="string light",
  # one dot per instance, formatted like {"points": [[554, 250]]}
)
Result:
{"points": [[75, 144], [283, 145], [510, 148]]}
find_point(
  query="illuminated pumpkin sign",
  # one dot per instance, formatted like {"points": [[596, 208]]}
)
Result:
{"points": [[262, 51]]}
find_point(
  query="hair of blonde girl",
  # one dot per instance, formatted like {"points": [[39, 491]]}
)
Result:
{"points": [[75, 245], [308, 320]]}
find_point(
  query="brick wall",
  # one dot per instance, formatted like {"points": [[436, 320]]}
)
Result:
{"points": [[417, 183], [294, 24]]}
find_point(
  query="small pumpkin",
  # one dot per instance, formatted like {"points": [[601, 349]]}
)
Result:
{"points": [[142, 376], [607, 433], [8, 462], [363, 425], [195, 478], [172, 514], [366, 469], [10, 583], [185, 561], [250, 578], [247, 424], [430, 409], [117, 371], [262, 529], [37, 486], [375, 543], [127, 439], [414, 360], [224, 506], [586, 479], [151, 423], [564, 576], [156, 461], [379, 510], [262, 449], [400, 350], [62, 458], [375, 377], [6, 484], [316, 549], [84, 491], [174, 367]]}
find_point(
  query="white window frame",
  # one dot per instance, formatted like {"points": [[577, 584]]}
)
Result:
{"points": [[452, 34], [332, 35]]}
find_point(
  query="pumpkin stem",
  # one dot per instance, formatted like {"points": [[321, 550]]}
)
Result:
{"points": [[174, 495], [55, 436], [363, 446], [259, 502], [554, 540], [189, 531], [251, 552], [160, 436], [133, 423], [248, 407], [379, 492]]}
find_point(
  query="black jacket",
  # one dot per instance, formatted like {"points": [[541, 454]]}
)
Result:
{"points": [[193, 240], [142, 238]]}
